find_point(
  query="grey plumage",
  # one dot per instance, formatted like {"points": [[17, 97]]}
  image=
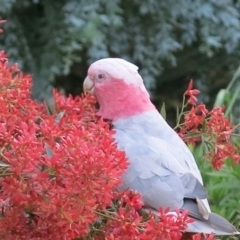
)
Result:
{"points": [[164, 171]]}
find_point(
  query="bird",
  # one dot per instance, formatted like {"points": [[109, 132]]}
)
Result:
{"points": [[161, 166]]}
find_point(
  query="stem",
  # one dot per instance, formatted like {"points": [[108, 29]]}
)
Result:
{"points": [[105, 215], [2, 155], [181, 113], [233, 100], [236, 75], [235, 134], [5, 174]]}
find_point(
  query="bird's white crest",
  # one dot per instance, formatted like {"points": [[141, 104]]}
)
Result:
{"points": [[120, 69]]}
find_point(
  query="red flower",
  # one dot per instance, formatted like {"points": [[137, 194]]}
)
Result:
{"points": [[191, 93], [206, 236], [211, 128]]}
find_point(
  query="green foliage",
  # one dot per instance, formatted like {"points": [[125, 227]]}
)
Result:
{"points": [[230, 98], [163, 111], [223, 187], [49, 38], [229, 95]]}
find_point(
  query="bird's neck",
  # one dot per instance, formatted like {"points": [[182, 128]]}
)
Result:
{"points": [[122, 100]]}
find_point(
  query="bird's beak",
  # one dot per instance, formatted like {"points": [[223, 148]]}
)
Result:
{"points": [[88, 86]]}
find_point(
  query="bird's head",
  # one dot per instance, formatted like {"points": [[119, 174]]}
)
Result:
{"points": [[118, 88]]}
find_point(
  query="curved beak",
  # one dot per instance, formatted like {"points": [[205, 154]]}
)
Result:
{"points": [[88, 86]]}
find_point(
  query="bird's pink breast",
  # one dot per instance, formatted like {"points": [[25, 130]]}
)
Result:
{"points": [[118, 99]]}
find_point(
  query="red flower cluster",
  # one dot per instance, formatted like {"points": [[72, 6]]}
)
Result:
{"points": [[127, 223], [56, 171], [211, 128]]}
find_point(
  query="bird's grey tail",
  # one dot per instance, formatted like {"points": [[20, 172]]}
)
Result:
{"points": [[216, 224], [213, 223]]}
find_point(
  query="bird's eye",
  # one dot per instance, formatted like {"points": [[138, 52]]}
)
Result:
{"points": [[100, 76]]}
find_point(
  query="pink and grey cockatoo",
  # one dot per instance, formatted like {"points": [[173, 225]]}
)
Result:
{"points": [[162, 169]]}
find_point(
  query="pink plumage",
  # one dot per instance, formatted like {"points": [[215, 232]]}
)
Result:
{"points": [[126, 93]]}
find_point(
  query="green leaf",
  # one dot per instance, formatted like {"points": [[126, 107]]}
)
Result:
{"points": [[193, 135], [204, 125], [218, 174], [229, 109], [227, 185], [220, 99], [163, 111], [177, 112], [235, 77]]}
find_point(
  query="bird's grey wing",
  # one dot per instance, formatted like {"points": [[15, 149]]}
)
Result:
{"points": [[156, 173], [164, 171]]}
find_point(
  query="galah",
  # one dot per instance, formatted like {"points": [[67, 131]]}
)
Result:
{"points": [[162, 168]]}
